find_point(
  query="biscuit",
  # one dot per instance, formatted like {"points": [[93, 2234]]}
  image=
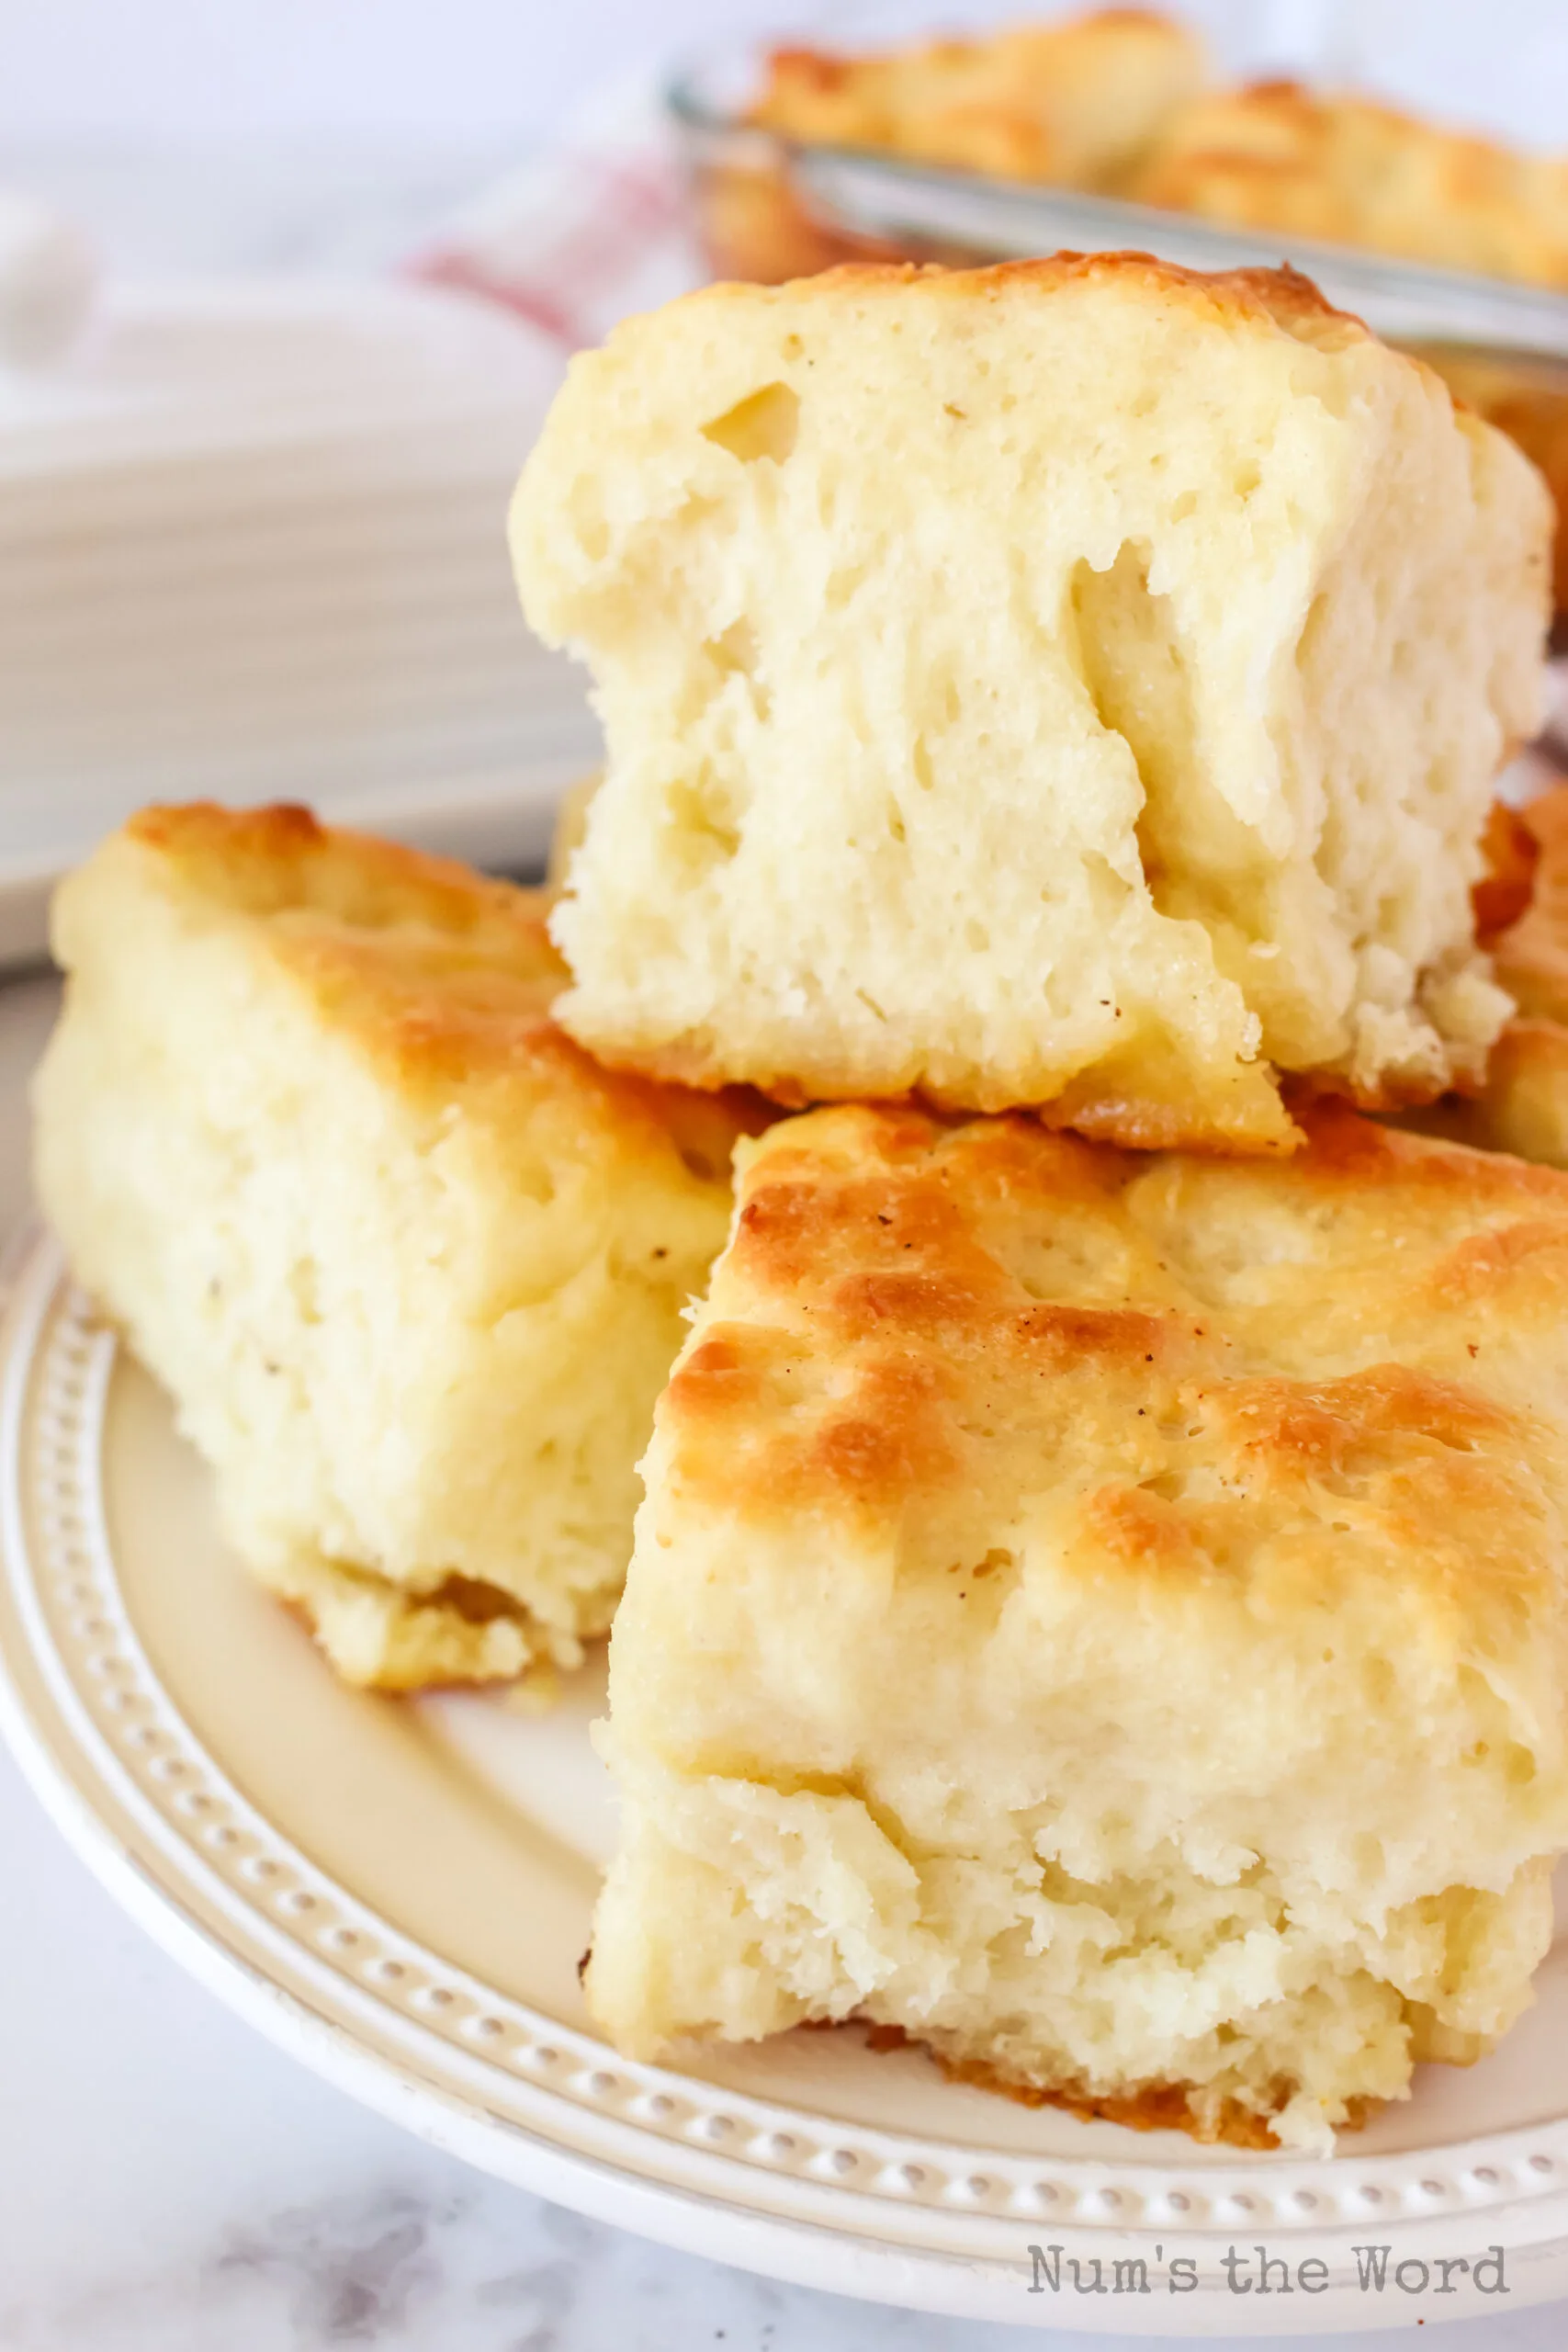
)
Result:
{"points": [[1075, 683], [1350, 172], [1104, 1617], [1521, 1105], [1076, 104], [1532, 954], [412, 1268]]}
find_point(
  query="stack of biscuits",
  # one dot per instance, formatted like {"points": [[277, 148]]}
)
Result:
{"points": [[1099, 1603]]}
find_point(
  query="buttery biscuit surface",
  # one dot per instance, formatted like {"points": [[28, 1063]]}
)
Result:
{"points": [[410, 1266], [1347, 170], [1076, 104], [1074, 684], [1105, 1617]]}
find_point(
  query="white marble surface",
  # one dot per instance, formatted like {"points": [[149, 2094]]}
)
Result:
{"points": [[169, 2183]]}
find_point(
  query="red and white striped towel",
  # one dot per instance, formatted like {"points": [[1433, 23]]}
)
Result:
{"points": [[592, 230]]}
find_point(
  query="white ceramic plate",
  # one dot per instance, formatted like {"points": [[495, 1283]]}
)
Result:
{"points": [[399, 1894]]}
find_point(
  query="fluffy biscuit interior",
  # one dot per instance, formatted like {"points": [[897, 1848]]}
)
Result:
{"points": [[1076, 683]]}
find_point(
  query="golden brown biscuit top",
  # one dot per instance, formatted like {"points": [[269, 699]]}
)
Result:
{"points": [[1074, 102], [1281, 297], [1532, 954], [1273, 1381], [1348, 170], [1262, 302], [444, 976], [281, 862]]}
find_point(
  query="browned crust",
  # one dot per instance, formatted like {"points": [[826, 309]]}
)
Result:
{"points": [[835, 69], [1511, 852], [897, 1249], [1282, 298], [1153, 2106], [1124, 1122], [1345, 168], [1102, 1114], [1532, 954], [1106, 1115], [1301, 1089], [445, 975], [1346, 1147], [1074, 103], [279, 854]]}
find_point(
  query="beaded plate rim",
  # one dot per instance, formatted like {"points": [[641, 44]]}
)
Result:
{"points": [[858, 2207]]}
